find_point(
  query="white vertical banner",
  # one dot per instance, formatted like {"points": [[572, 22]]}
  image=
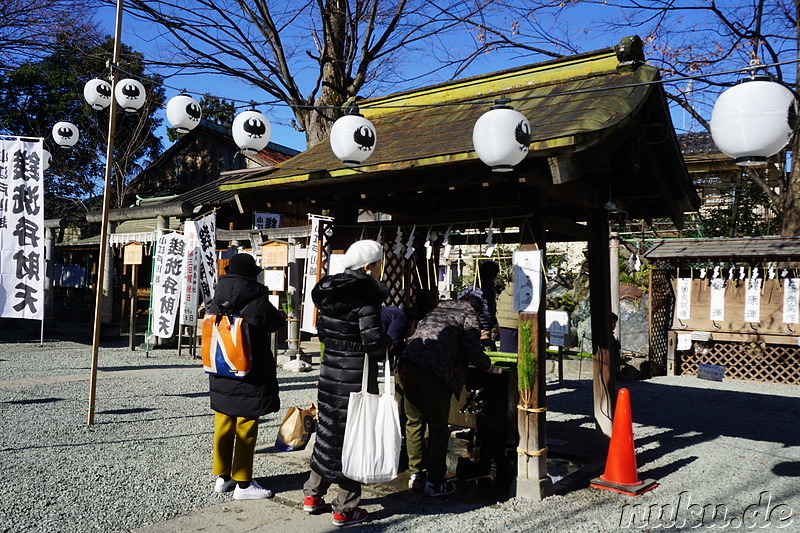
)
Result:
{"points": [[683, 300], [206, 229], [527, 281], [752, 300], [790, 301], [307, 322], [167, 278], [189, 281], [717, 308], [22, 263]]}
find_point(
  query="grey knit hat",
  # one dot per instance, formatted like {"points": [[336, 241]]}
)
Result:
{"points": [[362, 253]]}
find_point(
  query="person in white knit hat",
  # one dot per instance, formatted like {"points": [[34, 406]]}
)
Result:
{"points": [[349, 325], [366, 255]]}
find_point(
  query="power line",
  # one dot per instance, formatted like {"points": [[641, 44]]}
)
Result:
{"points": [[485, 102]]}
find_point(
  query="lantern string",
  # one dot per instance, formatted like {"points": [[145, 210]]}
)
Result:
{"points": [[364, 104]]}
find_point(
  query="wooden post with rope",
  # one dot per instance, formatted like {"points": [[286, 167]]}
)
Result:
{"points": [[532, 480]]}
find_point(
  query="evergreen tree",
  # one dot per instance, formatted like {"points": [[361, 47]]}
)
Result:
{"points": [[37, 94]]}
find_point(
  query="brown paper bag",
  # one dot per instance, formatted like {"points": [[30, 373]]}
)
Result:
{"points": [[296, 428]]}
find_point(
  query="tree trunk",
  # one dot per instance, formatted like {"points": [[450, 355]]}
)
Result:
{"points": [[317, 123], [335, 87], [790, 206]]}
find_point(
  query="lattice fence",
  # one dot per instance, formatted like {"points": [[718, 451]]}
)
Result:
{"points": [[749, 361], [661, 304], [397, 276]]}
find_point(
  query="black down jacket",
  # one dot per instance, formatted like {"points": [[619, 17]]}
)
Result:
{"points": [[257, 393], [349, 323]]}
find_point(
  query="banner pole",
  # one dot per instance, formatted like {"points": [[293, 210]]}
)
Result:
{"points": [[150, 314]]}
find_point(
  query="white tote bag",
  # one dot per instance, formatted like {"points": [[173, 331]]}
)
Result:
{"points": [[371, 449]]}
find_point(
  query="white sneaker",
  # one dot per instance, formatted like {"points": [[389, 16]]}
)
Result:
{"points": [[253, 492], [220, 485]]}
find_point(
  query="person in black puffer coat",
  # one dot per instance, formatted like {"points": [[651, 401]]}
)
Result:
{"points": [[238, 403], [349, 325]]}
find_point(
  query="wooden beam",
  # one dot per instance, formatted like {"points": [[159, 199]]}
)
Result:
{"points": [[568, 228], [563, 169]]}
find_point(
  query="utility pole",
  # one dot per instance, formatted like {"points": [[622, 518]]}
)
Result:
{"points": [[104, 252]]}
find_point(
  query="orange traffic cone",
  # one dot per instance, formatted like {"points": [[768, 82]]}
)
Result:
{"points": [[620, 474]]}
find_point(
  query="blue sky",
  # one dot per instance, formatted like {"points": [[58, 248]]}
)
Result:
{"points": [[135, 35], [577, 22], [138, 35]]}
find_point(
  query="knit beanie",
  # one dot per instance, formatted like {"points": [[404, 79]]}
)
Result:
{"points": [[362, 253], [243, 265]]}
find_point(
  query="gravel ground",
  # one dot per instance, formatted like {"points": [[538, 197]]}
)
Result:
{"points": [[146, 459]]}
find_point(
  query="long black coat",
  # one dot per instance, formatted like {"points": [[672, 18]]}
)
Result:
{"points": [[349, 323], [257, 393]]}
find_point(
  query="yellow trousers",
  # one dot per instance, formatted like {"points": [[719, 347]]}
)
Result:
{"points": [[234, 446]]}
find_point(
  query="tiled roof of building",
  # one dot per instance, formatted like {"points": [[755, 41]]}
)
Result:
{"points": [[743, 249]]}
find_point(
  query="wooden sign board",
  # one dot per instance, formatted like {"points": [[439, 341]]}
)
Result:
{"points": [[274, 280], [710, 372], [275, 254], [134, 252]]}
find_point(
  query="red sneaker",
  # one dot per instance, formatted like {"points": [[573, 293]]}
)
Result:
{"points": [[355, 516], [312, 504]]}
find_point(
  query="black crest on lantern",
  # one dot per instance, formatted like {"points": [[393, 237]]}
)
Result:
{"points": [[131, 91], [194, 111], [364, 138], [523, 135], [104, 90], [66, 133], [254, 127]]}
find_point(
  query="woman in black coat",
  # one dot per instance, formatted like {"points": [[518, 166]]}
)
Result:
{"points": [[349, 325], [239, 402]]}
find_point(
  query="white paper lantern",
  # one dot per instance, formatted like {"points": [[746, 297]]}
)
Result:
{"points": [[65, 134], [501, 137], [45, 160], [130, 95], [753, 120], [251, 131], [183, 113], [353, 139], [97, 93]]}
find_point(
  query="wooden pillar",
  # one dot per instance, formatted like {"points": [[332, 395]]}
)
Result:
{"points": [[49, 255], [107, 305], [532, 480], [603, 348], [613, 250], [295, 281]]}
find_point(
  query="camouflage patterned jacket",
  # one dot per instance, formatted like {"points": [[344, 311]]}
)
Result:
{"points": [[446, 340]]}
